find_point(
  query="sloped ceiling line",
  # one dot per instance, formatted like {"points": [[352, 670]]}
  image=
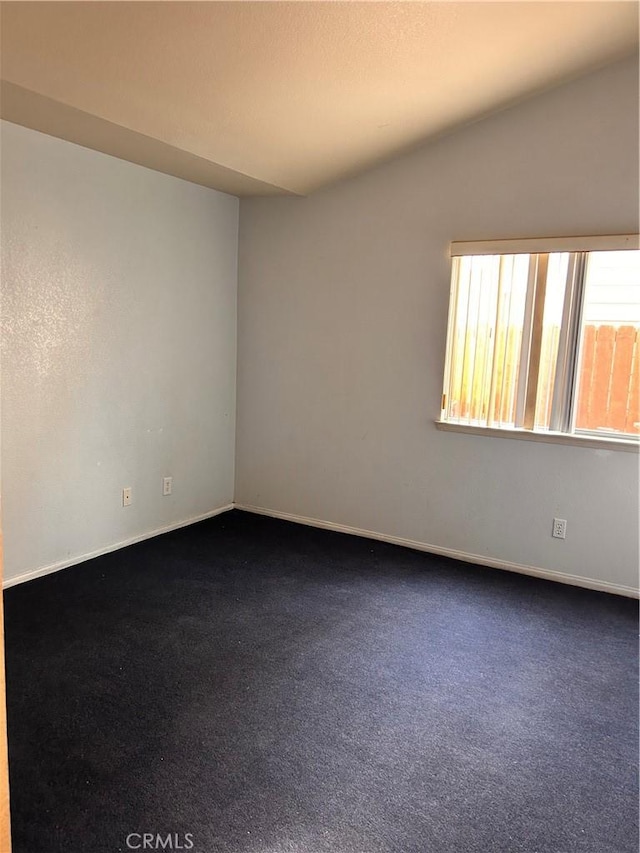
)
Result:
{"points": [[268, 98]]}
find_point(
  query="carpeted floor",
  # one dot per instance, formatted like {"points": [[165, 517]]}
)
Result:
{"points": [[248, 685]]}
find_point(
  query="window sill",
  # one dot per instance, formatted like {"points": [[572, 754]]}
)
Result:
{"points": [[628, 445]]}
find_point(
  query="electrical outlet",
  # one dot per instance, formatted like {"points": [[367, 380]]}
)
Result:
{"points": [[126, 496], [167, 485], [559, 528]]}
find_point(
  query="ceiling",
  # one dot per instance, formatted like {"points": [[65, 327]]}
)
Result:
{"points": [[261, 98]]}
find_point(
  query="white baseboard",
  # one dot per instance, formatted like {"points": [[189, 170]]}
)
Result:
{"points": [[561, 577], [574, 580], [72, 561]]}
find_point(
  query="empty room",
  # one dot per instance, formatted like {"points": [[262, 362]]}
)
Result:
{"points": [[320, 418]]}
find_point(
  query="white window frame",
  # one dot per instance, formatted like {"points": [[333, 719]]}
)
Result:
{"points": [[564, 404]]}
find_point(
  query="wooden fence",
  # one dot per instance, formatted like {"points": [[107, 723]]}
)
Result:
{"points": [[609, 397], [610, 379]]}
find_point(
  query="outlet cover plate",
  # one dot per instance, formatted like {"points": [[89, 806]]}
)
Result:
{"points": [[559, 530]]}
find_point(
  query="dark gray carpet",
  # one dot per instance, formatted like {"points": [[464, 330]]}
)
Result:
{"points": [[270, 688]]}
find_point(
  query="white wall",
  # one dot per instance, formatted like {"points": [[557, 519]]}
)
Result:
{"points": [[342, 321], [118, 349]]}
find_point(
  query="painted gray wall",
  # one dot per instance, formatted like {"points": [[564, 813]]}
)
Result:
{"points": [[343, 302], [118, 349]]}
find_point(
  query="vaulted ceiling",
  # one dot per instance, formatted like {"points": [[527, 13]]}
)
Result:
{"points": [[258, 98]]}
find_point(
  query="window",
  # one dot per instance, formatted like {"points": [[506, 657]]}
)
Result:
{"points": [[544, 336]]}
